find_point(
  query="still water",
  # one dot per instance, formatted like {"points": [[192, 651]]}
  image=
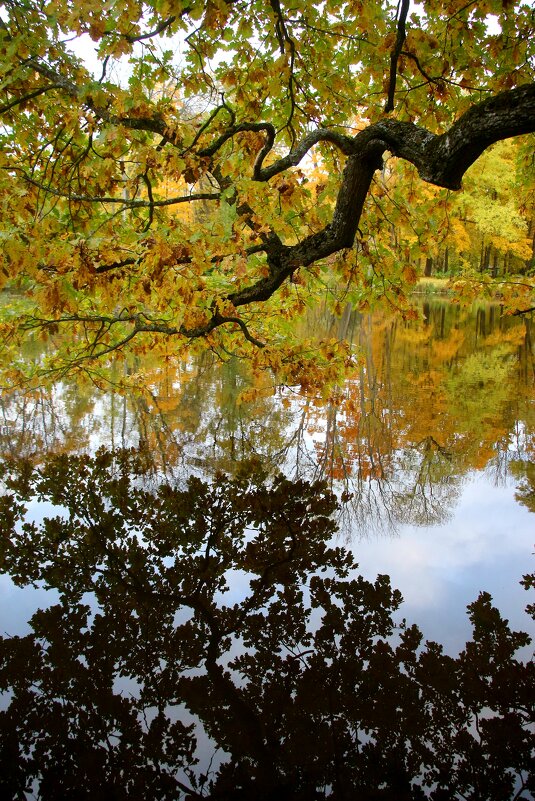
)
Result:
{"points": [[201, 628]]}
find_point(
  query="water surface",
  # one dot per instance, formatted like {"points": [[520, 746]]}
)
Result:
{"points": [[177, 596]]}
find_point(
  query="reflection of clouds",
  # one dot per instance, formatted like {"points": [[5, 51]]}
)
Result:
{"points": [[237, 590], [18, 604], [487, 545]]}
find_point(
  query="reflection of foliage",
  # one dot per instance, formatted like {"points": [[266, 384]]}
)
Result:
{"points": [[227, 601], [525, 491], [431, 402], [481, 386], [46, 419], [184, 414], [528, 581]]}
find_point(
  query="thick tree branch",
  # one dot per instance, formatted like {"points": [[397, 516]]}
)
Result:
{"points": [[443, 159], [337, 235], [440, 159]]}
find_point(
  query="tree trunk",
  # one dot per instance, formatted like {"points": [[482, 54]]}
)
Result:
{"points": [[482, 256], [495, 264], [485, 261], [426, 311]]}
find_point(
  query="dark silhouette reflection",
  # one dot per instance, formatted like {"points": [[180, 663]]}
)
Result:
{"points": [[210, 642]]}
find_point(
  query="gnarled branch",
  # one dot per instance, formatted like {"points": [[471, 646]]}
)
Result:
{"points": [[444, 158]]}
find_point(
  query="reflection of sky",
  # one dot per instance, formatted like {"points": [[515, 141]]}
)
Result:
{"points": [[18, 604], [486, 546]]}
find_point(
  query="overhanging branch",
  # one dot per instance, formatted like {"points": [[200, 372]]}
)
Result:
{"points": [[442, 159]]}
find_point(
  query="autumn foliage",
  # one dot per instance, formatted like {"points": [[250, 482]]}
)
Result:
{"points": [[223, 167]]}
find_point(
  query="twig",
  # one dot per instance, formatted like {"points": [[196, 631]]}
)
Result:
{"points": [[396, 50]]}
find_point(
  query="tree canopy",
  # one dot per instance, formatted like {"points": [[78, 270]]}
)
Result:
{"points": [[220, 165]]}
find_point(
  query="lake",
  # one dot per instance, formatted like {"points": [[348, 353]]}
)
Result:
{"points": [[200, 579]]}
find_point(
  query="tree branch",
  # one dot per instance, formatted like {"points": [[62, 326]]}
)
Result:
{"points": [[155, 124], [440, 159], [141, 322], [212, 149], [443, 159], [24, 98], [131, 204], [337, 235], [520, 312], [401, 35], [158, 29], [342, 142]]}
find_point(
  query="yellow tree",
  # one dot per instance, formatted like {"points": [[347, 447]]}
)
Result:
{"points": [[491, 210]]}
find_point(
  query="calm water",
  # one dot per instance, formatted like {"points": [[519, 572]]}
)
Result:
{"points": [[235, 598]]}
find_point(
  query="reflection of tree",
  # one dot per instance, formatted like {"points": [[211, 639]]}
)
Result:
{"points": [[382, 436], [432, 402], [429, 404], [227, 601], [225, 428], [430, 488], [525, 491], [185, 414], [45, 420]]}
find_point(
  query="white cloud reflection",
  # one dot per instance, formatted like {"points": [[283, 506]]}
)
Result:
{"points": [[487, 545]]}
